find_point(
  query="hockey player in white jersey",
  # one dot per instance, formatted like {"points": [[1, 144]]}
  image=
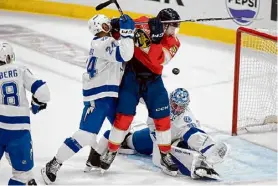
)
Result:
{"points": [[15, 137], [193, 150], [105, 67]]}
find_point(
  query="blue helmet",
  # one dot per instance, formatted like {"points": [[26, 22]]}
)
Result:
{"points": [[179, 100]]}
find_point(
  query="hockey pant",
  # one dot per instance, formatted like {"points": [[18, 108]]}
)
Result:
{"points": [[156, 98], [19, 152]]}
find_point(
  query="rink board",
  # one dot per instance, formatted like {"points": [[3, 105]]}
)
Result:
{"points": [[85, 12]]}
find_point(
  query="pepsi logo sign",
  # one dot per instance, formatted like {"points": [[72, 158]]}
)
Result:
{"points": [[245, 10]]}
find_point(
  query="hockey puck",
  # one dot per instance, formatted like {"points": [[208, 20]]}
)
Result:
{"points": [[176, 71]]}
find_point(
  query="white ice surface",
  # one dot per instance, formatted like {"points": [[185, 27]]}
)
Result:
{"points": [[206, 71]]}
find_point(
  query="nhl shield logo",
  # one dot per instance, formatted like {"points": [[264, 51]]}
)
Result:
{"points": [[247, 9]]}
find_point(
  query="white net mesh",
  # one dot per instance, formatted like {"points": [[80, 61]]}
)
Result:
{"points": [[257, 96]]}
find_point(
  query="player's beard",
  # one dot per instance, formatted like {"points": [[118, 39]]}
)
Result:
{"points": [[171, 30]]}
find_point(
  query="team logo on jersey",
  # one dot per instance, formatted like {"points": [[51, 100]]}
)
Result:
{"points": [[141, 39], [173, 50], [246, 10], [187, 119]]}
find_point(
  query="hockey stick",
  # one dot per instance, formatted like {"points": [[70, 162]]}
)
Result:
{"points": [[200, 20], [103, 5], [107, 3]]}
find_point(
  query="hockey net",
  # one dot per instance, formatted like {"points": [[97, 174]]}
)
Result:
{"points": [[255, 81]]}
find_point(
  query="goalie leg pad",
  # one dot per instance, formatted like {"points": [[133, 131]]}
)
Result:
{"points": [[185, 159], [217, 153]]}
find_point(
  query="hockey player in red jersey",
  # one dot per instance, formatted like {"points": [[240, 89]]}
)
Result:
{"points": [[155, 44]]}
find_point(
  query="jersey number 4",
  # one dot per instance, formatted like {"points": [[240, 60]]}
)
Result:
{"points": [[9, 91]]}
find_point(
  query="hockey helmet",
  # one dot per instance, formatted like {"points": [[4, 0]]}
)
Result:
{"points": [[6, 53], [99, 23], [168, 14], [179, 100]]}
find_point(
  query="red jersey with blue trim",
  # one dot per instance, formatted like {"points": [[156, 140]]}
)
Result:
{"points": [[153, 56]]}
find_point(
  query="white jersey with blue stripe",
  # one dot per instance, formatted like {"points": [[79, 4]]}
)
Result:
{"points": [[180, 124], [105, 67], [14, 106]]}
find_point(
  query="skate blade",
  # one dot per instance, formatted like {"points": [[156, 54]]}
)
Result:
{"points": [[102, 171], [44, 176], [171, 173], [91, 169], [203, 175]]}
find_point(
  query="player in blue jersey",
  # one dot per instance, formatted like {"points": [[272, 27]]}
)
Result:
{"points": [[15, 137], [105, 67]]}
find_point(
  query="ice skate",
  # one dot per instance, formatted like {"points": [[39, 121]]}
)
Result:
{"points": [[106, 160], [167, 165], [204, 171], [93, 161], [32, 182], [49, 172]]}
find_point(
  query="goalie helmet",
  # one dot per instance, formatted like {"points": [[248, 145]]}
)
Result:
{"points": [[179, 101], [6, 53], [96, 24]]}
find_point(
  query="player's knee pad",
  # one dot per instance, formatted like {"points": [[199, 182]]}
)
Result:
{"points": [[84, 138], [21, 177], [197, 139]]}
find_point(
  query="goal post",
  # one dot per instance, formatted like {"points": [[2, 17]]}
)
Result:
{"points": [[255, 81]]}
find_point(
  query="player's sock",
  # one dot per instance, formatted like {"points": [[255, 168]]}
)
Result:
{"points": [[163, 134], [15, 182], [118, 132]]}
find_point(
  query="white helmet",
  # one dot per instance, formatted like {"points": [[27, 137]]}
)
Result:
{"points": [[6, 53], [95, 24]]}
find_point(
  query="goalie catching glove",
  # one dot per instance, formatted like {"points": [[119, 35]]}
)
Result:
{"points": [[37, 106]]}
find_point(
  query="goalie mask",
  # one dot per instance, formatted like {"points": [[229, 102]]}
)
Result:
{"points": [[99, 23], [6, 53], [179, 101]]}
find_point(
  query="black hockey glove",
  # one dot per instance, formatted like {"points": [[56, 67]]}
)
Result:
{"points": [[115, 24], [156, 28], [37, 106]]}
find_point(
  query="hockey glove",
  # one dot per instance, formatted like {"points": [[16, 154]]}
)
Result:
{"points": [[115, 24], [126, 26], [37, 106], [156, 28]]}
